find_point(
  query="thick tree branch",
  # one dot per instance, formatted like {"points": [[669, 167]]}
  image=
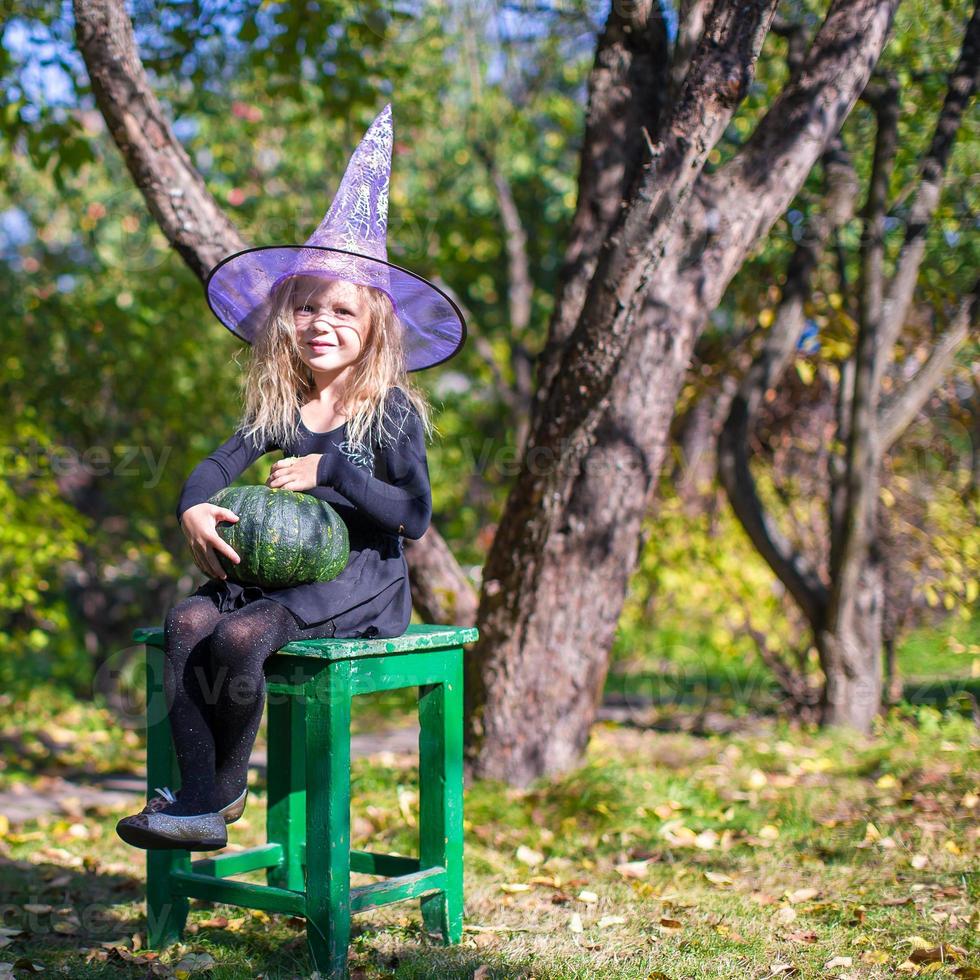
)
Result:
{"points": [[850, 540], [750, 189], [175, 193], [715, 85], [627, 98]]}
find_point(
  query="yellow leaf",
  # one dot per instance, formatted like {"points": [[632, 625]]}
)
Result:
{"points": [[585, 896], [516, 886], [888, 781], [806, 371], [769, 832], [871, 833], [874, 956], [552, 881], [575, 923]]}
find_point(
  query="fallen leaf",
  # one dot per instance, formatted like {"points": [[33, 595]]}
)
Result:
{"points": [[937, 954], [782, 970], [611, 920], [786, 915], [193, 963], [874, 956], [717, 878], [528, 856], [634, 869], [802, 895], [585, 896], [838, 961], [575, 923], [516, 886], [671, 924]]}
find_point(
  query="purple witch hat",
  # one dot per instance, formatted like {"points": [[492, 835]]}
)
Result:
{"points": [[350, 243]]}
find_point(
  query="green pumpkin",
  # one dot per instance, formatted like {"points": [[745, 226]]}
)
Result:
{"points": [[283, 537]]}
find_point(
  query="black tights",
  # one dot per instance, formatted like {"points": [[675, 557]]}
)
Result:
{"points": [[215, 687]]}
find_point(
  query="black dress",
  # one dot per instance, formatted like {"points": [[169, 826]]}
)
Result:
{"points": [[381, 500]]}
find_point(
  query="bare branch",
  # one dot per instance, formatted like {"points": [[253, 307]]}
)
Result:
{"points": [[897, 414], [520, 289], [962, 85], [690, 27], [778, 349]]}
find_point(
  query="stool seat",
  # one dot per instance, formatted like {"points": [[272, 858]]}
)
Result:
{"points": [[307, 856]]}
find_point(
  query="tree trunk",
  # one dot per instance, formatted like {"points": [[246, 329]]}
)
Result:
{"points": [[850, 654], [555, 582]]}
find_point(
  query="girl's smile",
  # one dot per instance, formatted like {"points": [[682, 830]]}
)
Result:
{"points": [[332, 323]]}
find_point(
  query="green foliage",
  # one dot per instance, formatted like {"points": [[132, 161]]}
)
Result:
{"points": [[699, 579], [39, 537]]}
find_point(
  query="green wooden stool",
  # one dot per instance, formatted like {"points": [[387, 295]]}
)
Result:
{"points": [[307, 857]]}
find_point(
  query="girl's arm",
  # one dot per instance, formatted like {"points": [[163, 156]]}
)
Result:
{"points": [[220, 469], [400, 501]]}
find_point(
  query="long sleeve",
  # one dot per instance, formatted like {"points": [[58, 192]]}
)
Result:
{"points": [[220, 469], [399, 500]]}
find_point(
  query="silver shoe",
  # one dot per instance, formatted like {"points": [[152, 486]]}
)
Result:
{"points": [[235, 809], [150, 829]]}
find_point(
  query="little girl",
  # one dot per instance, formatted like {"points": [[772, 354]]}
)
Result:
{"points": [[326, 384]]}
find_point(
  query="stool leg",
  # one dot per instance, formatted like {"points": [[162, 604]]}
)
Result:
{"points": [[328, 915], [441, 796], [166, 913], [286, 769]]}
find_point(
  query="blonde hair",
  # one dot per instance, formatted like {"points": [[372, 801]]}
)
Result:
{"points": [[276, 381]]}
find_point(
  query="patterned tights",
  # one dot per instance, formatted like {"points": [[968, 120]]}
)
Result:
{"points": [[215, 687]]}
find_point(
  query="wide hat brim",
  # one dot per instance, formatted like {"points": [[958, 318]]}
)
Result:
{"points": [[239, 293]]}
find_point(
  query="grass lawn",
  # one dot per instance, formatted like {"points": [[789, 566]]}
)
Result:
{"points": [[767, 852]]}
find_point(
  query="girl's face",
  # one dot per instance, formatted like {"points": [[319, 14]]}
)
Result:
{"points": [[332, 323]]}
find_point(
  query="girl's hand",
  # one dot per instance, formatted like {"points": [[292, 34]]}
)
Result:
{"points": [[294, 473], [199, 525]]}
